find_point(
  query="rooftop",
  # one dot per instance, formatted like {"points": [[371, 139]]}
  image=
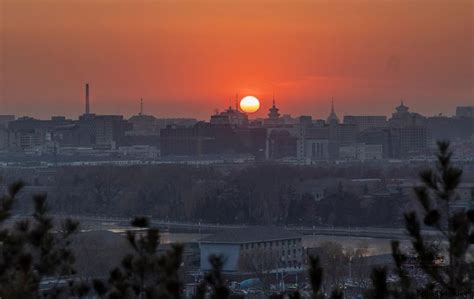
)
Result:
{"points": [[251, 235]]}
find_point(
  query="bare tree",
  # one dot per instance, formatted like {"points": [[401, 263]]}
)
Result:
{"points": [[260, 262]]}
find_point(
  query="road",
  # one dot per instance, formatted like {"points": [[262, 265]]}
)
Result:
{"points": [[103, 222]]}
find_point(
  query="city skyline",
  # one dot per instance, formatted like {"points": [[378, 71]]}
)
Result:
{"points": [[175, 57], [261, 112]]}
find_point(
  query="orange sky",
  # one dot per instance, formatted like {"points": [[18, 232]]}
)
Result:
{"points": [[187, 58]]}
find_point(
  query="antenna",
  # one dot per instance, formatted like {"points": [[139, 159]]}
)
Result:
{"points": [[141, 106]]}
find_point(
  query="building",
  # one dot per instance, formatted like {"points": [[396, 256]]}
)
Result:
{"points": [[408, 132], [338, 134], [446, 128], [233, 117], [465, 116], [5, 120], [465, 111], [380, 136], [283, 247], [409, 141], [364, 122], [30, 134], [311, 150], [142, 124], [139, 152], [281, 143], [212, 139], [361, 152], [312, 144], [102, 131], [403, 118]]}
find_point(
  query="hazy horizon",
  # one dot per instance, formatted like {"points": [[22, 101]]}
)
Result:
{"points": [[188, 58]]}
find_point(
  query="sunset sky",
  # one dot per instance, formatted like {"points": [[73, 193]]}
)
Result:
{"points": [[187, 58]]}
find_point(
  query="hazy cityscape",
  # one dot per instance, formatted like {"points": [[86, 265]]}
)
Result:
{"points": [[230, 136], [326, 174], [335, 187]]}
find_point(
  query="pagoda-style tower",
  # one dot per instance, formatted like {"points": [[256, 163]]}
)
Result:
{"points": [[273, 112]]}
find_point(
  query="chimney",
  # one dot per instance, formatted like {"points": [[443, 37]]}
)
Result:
{"points": [[87, 99]]}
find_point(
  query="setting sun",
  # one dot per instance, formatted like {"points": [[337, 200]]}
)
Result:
{"points": [[249, 104]]}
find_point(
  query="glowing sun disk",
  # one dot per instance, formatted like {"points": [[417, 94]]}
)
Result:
{"points": [[249, 104]]}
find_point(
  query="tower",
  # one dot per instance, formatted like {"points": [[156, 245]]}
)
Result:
{"points": [[332, 119], [87, 99], [141, 107], [273, 111]]}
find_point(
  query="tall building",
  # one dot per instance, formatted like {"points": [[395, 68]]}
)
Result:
{"points": [[408, 132], [338, 134]]}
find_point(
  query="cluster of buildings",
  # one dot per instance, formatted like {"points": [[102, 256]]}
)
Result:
{"points": [[305, 140]]}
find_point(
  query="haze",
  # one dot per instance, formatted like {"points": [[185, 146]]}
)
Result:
{"points": [[186, 58]]}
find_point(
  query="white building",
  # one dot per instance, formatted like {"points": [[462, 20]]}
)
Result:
{"points": [[237, 244]]}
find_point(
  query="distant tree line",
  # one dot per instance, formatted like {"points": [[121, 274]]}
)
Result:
{"points": [[259, 194]]}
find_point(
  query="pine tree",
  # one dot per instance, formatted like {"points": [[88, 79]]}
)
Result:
{"points": [[144, 273], [455, 277], [34, 250]]}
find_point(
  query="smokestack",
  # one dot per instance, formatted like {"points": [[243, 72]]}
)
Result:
{"points": [[87, 99]]}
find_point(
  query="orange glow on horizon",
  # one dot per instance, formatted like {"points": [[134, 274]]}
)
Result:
{"points": [[183, 57]]}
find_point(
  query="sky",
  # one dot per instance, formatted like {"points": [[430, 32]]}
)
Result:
{"points": [[188, 58]]}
